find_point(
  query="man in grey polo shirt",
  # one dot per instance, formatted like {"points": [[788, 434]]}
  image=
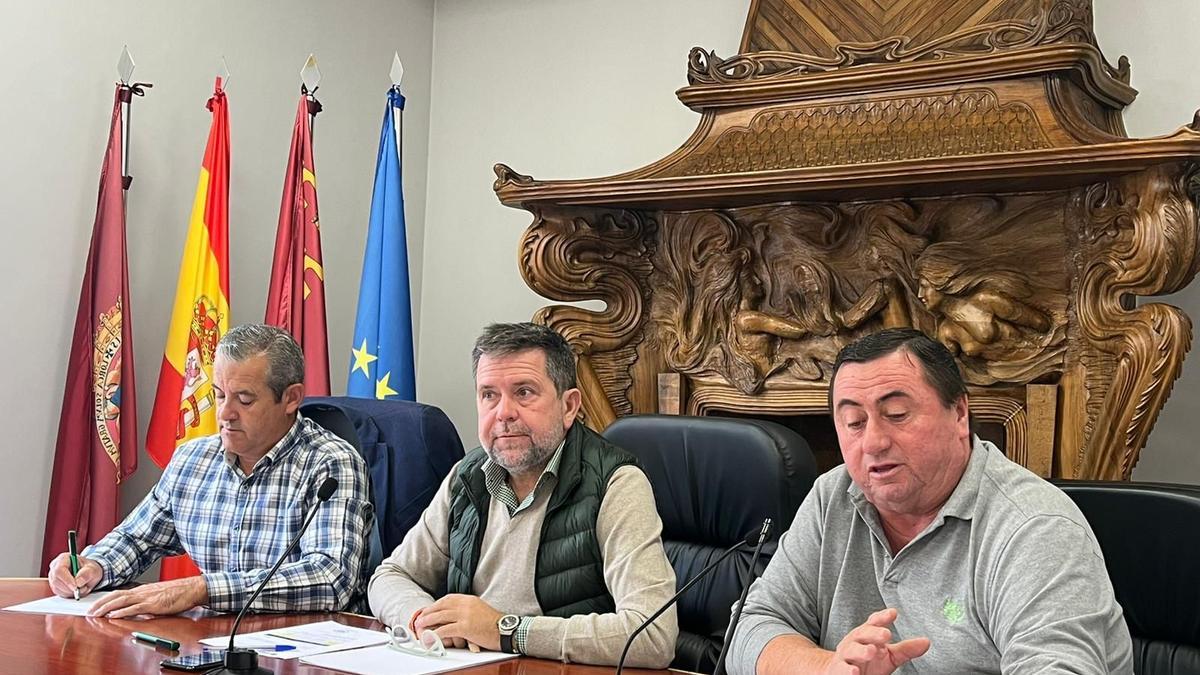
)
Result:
{"points": [[928, 551]]}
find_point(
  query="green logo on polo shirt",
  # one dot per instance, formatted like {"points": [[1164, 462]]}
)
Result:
{"points": [[953, 611]]}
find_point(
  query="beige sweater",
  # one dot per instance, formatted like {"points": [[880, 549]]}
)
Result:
{"points": [[636, 570]]}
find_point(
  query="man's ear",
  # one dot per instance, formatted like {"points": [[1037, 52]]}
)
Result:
{"points": [[572, 402], [293, 396], [962, 417]]}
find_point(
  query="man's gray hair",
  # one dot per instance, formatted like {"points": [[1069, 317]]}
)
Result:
{"points": [[503, 339], [285, 361]]}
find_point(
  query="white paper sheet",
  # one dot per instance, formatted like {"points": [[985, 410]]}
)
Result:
{"points": [[384, 660], [306, 639], [57, 605]]}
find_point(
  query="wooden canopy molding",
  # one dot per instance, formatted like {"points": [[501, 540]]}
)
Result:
{"points": [[959, 166]]}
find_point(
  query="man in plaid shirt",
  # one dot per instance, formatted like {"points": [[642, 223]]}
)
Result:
{"points": [[234, 501]]}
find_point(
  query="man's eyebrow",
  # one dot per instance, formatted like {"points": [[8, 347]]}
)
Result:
{"points": [[851, 403]]}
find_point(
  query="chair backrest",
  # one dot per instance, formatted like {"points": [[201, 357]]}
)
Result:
{"points": [[409, 448], [1147, 532], [715, 480]]}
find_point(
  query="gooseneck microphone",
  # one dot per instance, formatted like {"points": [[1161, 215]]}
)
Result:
{"points": [[737, 613], [758, 536], [245, 661]]}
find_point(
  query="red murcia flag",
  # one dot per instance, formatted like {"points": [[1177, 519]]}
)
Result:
{"points": [[97, 429], [296, 299]]}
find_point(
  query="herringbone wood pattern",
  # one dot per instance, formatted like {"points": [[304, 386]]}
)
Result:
{"points": [[816, 26]]}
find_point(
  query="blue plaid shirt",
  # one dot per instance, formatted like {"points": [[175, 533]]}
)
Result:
{"points": [[235, 526]]}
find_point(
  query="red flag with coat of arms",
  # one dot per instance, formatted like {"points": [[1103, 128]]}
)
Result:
{"points": [[97, 429], [296, 299]]}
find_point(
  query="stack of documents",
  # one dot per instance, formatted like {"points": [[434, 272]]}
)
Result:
{"points": [[304, 640]]}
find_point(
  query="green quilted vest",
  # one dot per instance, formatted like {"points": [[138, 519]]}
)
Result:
{"points": [[569, 579]]}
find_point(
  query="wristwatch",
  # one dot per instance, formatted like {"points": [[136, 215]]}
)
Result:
{"points": [[508, 625]]}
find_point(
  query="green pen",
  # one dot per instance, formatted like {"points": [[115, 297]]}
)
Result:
{"points": [[74, 550], [156, 641]]}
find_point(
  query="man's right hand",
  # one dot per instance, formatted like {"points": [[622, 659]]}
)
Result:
{"points": [[64, 584], [869, 650]]}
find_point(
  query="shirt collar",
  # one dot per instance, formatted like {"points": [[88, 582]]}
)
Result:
{"points": [[963, 500], [495, 475], [286, 443]]}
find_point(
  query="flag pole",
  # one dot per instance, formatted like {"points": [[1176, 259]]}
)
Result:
{"points": [[125, 66]]}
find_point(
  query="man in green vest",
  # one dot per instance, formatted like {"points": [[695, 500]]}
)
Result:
{"points": [[545, 540]]}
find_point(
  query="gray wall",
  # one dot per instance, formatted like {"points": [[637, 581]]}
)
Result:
{"points": [[583, 89], [59, 61]]}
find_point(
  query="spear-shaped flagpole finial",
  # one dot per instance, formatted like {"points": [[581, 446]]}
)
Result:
{"points": [[397, 74], [310, 74], [223, 74], [125, 66], [397, 71]]}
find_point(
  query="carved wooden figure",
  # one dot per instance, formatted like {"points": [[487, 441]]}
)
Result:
{"points": [[959, 166]]}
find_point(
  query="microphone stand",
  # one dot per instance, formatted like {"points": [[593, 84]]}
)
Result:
{"points": [[245, 661], [737, 613], [703, 573]]}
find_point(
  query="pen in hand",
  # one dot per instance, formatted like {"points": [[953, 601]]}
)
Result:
{"points": [[73, 548]]}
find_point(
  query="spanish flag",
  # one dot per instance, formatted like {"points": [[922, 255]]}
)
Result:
{"points": [[185, 406]]}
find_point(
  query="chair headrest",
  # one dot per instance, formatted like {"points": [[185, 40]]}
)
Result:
{"points": [[715, 479], [1147, 534]]}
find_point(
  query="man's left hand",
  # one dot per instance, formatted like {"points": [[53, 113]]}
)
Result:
{"points": [[458, 618], [164, 597]]}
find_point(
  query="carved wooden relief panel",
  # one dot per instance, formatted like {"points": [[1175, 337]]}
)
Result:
{"points": [[958, 166]]}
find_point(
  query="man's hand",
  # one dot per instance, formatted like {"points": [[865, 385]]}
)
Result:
{"points": [[459, 619], [64, 585], [869, 650], [164, 597]]}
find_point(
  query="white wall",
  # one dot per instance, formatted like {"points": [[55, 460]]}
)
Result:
{"points": [[59, 61], [585, 88]]}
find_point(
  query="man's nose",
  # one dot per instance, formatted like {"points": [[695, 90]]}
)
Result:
{"points": [[226, 412], [875, 438], [506, 409]]}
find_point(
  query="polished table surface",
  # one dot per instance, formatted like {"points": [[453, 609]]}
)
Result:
{"points": [[53, 643]]}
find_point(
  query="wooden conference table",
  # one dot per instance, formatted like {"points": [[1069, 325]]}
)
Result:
{"points": [[35, 644]]}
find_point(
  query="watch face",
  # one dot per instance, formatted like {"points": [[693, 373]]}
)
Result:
{"points": [[509, 622]]}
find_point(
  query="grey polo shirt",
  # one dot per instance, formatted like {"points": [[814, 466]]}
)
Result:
{"points": [[1008, 578]]}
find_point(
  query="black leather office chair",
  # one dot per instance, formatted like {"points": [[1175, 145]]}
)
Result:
{"points": [[1147, 532], [409, 448], [714, 481]]}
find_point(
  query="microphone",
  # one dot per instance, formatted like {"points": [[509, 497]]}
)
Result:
{"points": [[748, 540], [245, 661], [737, 612]]}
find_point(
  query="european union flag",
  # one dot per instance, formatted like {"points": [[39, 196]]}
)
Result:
{"points": [[381, 363]]}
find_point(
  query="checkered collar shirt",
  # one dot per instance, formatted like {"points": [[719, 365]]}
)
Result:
{"points": [[495, 479], [235, 526]]}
